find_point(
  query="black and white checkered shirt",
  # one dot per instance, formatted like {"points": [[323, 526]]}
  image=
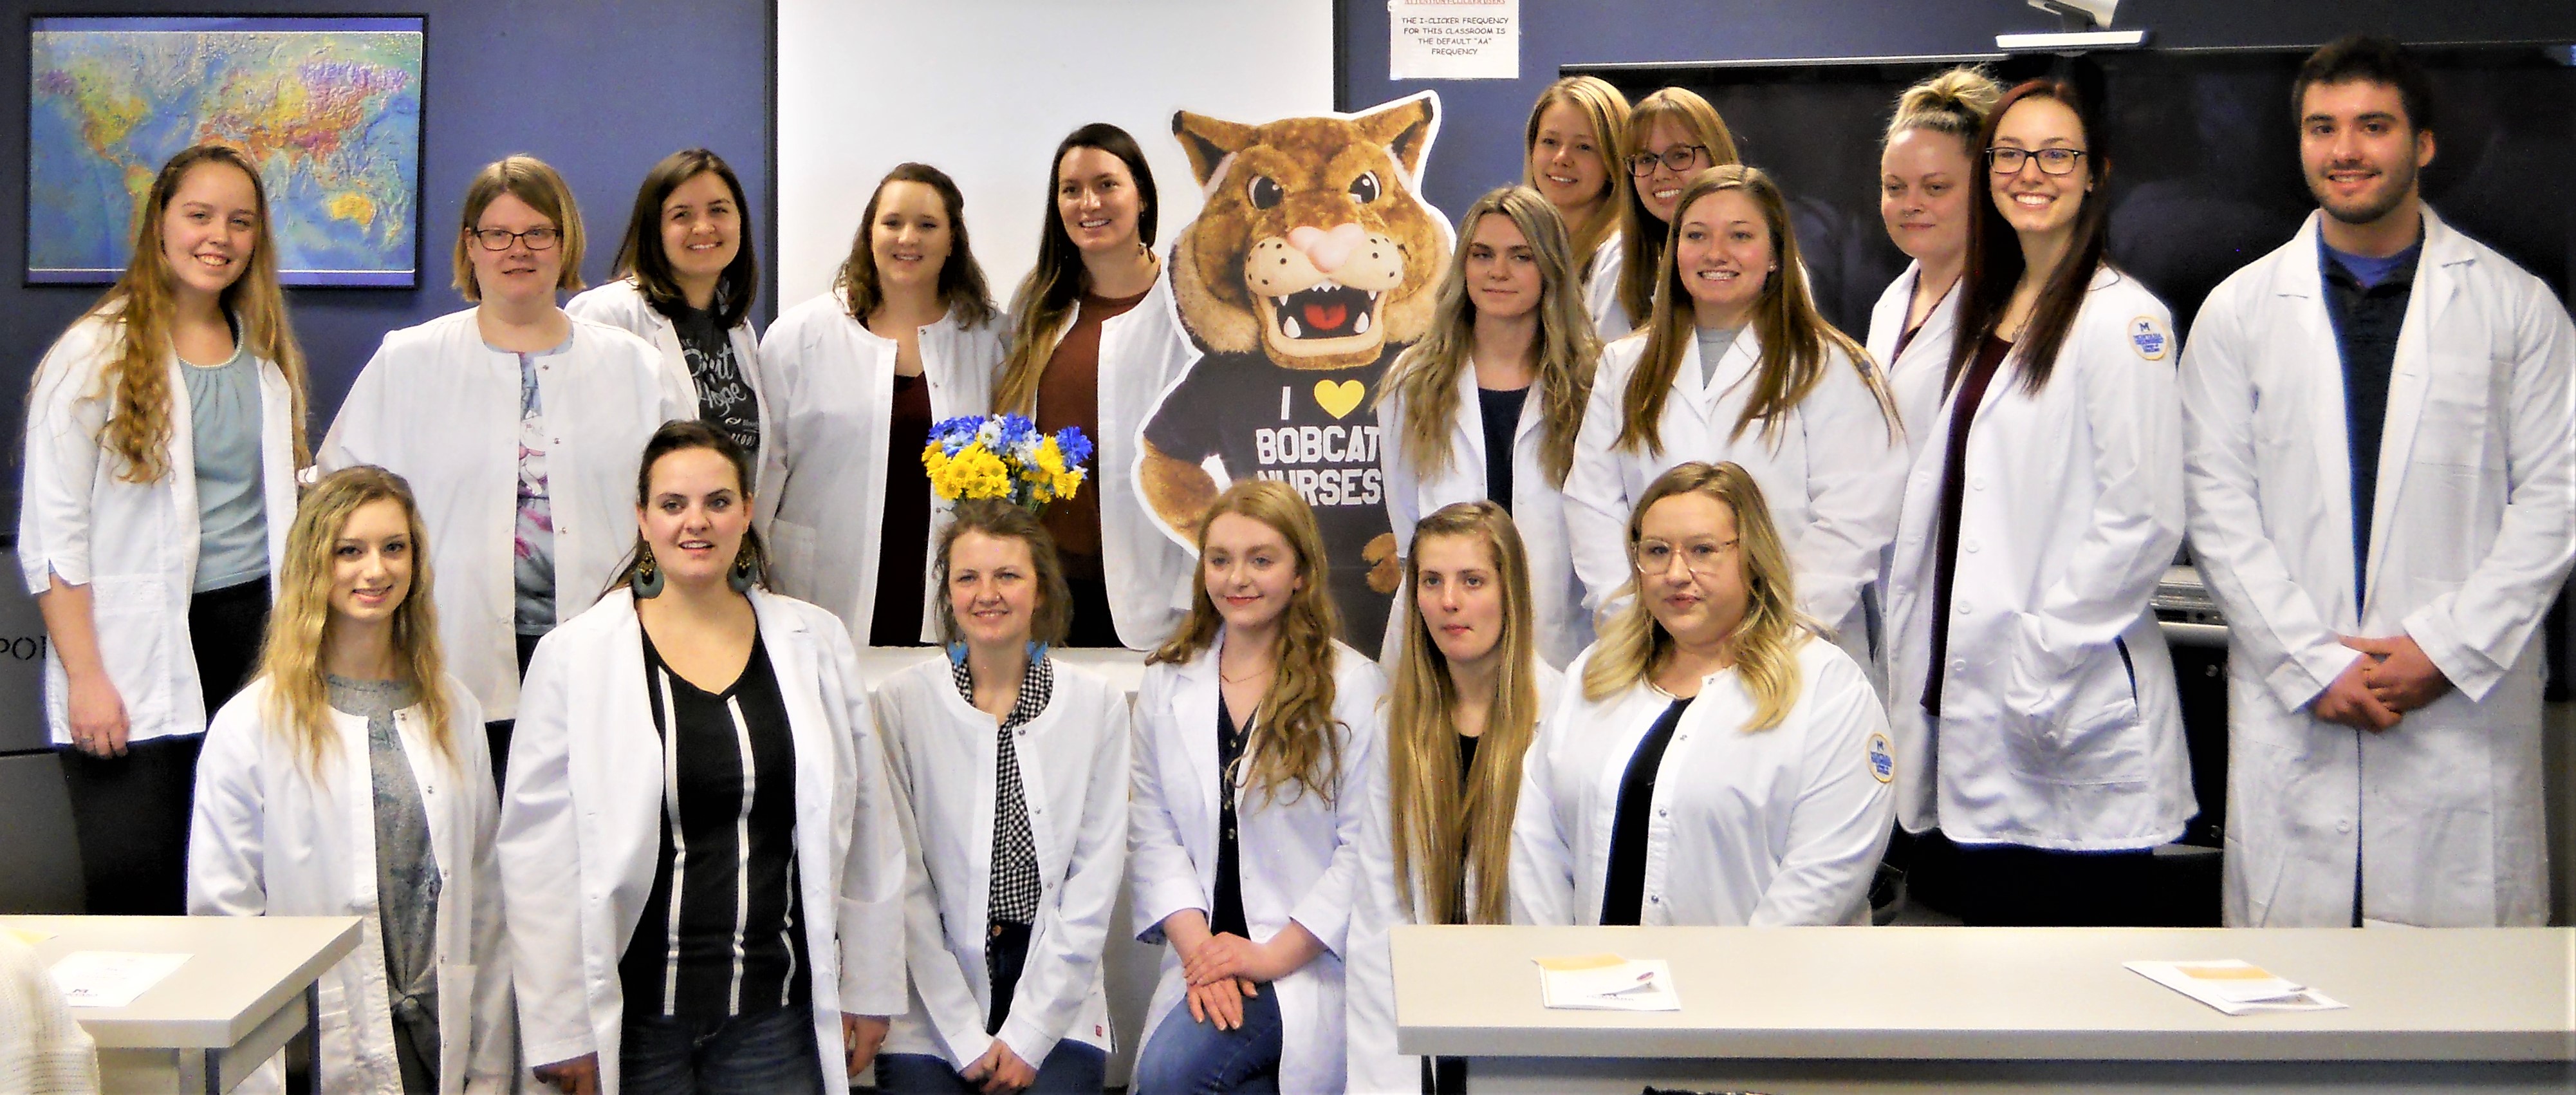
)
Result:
{"points": [[1016, 887]]}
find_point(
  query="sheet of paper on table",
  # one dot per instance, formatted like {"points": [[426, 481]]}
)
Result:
{"points": [[111, 979], [2234, 987], [1607, 982]]}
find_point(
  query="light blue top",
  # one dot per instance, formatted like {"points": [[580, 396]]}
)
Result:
{"points": [[232, 511]]}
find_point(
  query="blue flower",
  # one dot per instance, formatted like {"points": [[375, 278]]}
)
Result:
{"points": [[1076, 448]]}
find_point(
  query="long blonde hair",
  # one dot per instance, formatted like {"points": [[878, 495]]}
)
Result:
{"points": [[1633, 644], [1607, 110], [1296, 739], [1446, 831], [1641, 246], [136, 383], [1798, 344], [1426, 377], [298, 690]]}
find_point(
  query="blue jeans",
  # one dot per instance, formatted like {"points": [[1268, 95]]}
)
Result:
{"points": [[1194, 1058], [1071, 1068], [757, 1053]]}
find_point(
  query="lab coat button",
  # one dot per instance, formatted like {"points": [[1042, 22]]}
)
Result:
{"points": [[1963, 610], [2343, 826], [1959, 666], [1656, 899], [1971, 546], [1978, 483]]}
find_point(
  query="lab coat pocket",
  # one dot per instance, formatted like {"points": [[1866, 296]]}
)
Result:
{"points": [[133, 619], [791, 552], [2453, 430], [2097, 740]]}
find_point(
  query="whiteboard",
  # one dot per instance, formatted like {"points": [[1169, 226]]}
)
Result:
{"points": [[983, 90]]}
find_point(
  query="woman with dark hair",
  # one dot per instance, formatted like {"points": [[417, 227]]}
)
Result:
{"points": [[701, 863], [1011, 768], [1094, 341], [2032, 697], [855, 378], [165, 429], [686, 278]]}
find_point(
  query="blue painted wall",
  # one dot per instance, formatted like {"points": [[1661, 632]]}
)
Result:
{"points": [[600, 90], [1479, 144]]}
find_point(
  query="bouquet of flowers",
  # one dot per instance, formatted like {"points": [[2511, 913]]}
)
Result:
{"points": [[1004, 456]]}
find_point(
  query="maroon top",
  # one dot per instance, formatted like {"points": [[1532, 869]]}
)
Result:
{"points": [[1963, 414], [904, 551], [1069, 395]]}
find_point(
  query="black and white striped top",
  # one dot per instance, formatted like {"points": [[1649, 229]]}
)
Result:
{"points": [[721, 933]]}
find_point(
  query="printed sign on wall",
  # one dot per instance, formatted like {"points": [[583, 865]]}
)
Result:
{"points": [[1453, 39], [1313, 264]]}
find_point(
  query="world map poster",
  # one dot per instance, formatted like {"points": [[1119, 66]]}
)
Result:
{"points": [[329, 108]]}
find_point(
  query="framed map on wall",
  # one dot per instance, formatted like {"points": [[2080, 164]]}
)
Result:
{"points": [[329, 108]]}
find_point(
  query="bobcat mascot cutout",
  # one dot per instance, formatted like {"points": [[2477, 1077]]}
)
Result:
{"points": [[1312, 266]]}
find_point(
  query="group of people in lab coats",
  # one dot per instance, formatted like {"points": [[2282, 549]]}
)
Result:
{"points": [[1692, 621]]}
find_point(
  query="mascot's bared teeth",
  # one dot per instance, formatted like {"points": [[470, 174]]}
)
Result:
{"points": [[1360, 326], [1288, 326]]}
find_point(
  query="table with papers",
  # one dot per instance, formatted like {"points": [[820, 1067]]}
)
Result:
{"points": [[211, 997], [1810, 1011]]}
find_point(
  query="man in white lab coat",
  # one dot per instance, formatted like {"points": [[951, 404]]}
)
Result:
{"points": [[2382, 495]]}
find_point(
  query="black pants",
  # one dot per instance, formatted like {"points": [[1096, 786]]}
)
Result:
{"points": [[130, 814], [496, 734], [2009, 885]]}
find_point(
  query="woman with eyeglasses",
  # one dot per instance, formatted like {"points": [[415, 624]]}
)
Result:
{"points": [[1571, 149], [1670, 136], [517, 426], [1737, 364], [1779, 800], [2028, 677]]}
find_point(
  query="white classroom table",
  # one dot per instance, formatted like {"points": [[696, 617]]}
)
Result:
{"points": [[1810, 1011], [248, 986]]}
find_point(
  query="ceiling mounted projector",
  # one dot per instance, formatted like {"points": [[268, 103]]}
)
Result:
{"points": [[2088, 27]]}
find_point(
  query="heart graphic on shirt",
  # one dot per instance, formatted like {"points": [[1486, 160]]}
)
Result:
{"points": [[1341, 398]]}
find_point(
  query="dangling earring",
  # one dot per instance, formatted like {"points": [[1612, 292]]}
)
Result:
{"points": [[648, 579], [745, 568], [957, 652]]}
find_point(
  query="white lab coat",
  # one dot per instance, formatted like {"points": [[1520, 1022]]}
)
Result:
{"points": [[1073, 778], [1916, 377], [1752, 828], [1142, 350], [440, 407], [581, 822], [2060, 725], [1538, 509], [134, 544], [1300, 855], [269, 839], [1375, 1066], [621, 305], [830, 385], [1601, 291], [1830, 477], [2441, 815]]}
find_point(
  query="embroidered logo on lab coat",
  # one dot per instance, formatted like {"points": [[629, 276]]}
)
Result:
{"points": [[1882, 759], [2149, 337]]}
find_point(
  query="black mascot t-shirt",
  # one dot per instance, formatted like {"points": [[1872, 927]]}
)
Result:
{"points": [[1314, 429]]}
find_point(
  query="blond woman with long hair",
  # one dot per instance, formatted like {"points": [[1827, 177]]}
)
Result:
{"points": [[350, 775], [1570, 149], [1468, 689], [907, 337], [1738, 365], [164, 432], [1779, 799], [1671, 136], [1255, 730], [1486, 405], [517, 425]]}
